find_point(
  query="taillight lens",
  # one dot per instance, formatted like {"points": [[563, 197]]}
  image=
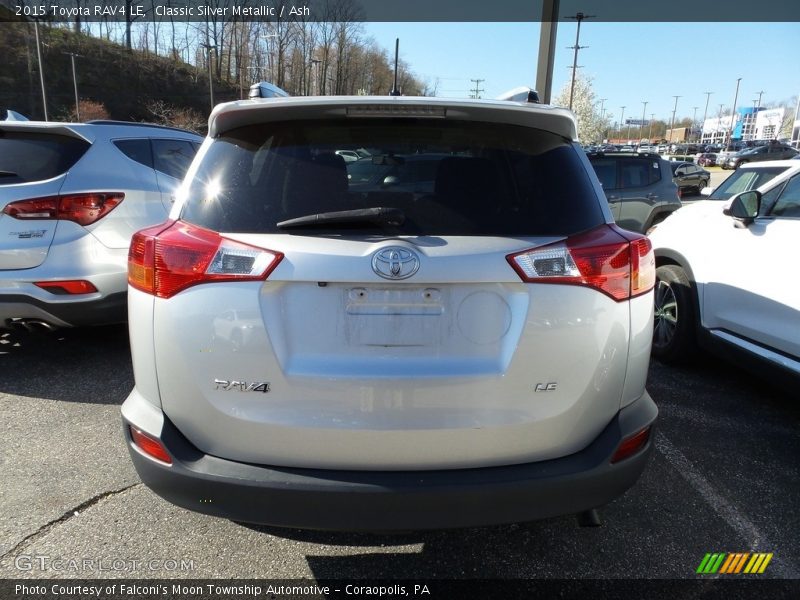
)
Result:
{"points": [[631, 445], [169, 258], [83, 209], [619, 264], [70, 286], [149, 445]]}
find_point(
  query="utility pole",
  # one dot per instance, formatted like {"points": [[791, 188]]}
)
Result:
{"points": [[672, 124], [41, 67], [208, 48], [733, 110], [72, 56], [578, 17], [477, 90]]}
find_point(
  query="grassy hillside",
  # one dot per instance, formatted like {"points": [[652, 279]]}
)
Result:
{"points": [[125, 82]]}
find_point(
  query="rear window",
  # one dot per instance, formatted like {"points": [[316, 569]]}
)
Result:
{"points": [[27, 156], [743, 180], [617, 173], [455, 178]]}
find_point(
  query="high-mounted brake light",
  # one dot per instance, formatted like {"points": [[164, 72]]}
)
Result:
{"points": [[396, 110], [83, 209], [619, 264], [171, 257]]}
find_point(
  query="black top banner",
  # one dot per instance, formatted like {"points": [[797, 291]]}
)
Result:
{"points": [[399, 10]]}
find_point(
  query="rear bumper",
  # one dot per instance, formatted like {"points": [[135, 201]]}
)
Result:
{"points": [[392, 500], [65, 311]]}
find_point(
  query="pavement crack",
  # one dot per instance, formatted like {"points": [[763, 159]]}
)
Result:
{"points": [[69, 514]]}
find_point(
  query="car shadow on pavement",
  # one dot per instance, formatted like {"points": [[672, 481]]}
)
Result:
{"points": [[89, 365]]}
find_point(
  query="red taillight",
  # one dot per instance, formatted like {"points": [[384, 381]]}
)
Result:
{"points": [[165, 260], [83, 209], [149, 445], [631, 445], [619, 264], [72, 286]]}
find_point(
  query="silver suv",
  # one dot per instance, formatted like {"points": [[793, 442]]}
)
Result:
{"points": [[71, 197], [639, 188], [470, 351]]}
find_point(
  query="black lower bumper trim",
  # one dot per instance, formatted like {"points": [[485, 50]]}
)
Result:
{"points": [[404, 500], [107, 311]]}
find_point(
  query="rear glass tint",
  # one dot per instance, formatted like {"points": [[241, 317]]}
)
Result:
{"points": [[27, 157], [456, 178]]}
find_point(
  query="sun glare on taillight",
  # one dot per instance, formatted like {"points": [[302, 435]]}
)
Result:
{"points": [[167, 259], [619, 265], [83, 209]]}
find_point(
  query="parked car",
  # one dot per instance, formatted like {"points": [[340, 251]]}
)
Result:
{"points": [[721, 283], [639, 188], [349, 155], [688, 176], [772, 151], [473, 355], [414, 173], [707, 159], [71, 197]]}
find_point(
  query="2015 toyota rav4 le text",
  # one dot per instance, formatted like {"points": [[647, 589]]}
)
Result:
{"points": [[467, 350]]}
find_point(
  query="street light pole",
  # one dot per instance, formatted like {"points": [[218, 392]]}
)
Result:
{"points": [[694, 120], [621, 117], [41, 67], [641, 125], [733, 110], [72, 56], [705, 112], [650, 131], [672, 123]]}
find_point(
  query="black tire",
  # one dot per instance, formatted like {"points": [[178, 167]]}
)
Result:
{"points": [[674, 338]]}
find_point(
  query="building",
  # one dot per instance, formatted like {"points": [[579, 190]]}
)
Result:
{"points": [[750, 123]]}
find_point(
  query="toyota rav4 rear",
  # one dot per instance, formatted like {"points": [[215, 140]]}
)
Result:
{"points": [[468, 349]]}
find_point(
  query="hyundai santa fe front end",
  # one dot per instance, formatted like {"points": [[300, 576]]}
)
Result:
{"points": [[469, 348]]}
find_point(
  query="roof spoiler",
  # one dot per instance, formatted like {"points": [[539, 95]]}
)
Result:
{"points": [[521, 94]]}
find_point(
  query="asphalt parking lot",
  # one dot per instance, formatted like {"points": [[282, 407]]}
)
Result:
{"points": [[723, 479]]}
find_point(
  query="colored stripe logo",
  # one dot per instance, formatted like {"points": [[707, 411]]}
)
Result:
{"points": [[734, 563]]}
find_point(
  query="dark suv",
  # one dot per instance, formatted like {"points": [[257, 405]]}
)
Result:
{"points": [[639, 188], [771, 151]]}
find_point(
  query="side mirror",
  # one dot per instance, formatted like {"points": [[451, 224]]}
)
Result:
{"points": [[680, 173], [391, 180], [745, 206]]}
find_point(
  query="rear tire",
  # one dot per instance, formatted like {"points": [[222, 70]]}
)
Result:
{"points": [[674, 316]]}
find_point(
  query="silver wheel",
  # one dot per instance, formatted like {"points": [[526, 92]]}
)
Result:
{"points": [[665, 315]]}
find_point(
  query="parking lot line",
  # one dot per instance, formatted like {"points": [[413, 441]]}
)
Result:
{"points": [[754, 539]]}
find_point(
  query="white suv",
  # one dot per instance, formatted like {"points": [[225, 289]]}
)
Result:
{"points": [[723, 280], [470, 351]]}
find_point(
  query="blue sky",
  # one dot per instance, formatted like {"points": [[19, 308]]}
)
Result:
{"points": [[629, 62]]}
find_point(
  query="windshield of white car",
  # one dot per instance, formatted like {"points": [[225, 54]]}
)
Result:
{"points": [[743, 180]]}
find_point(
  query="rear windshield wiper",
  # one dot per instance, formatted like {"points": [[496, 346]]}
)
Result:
{"points": [[8, 174], [379, 215]]}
